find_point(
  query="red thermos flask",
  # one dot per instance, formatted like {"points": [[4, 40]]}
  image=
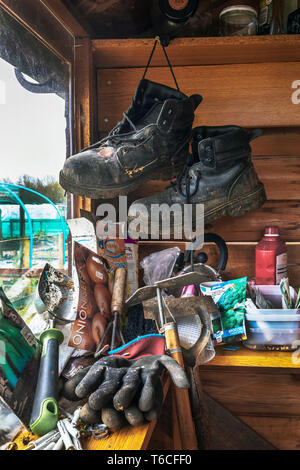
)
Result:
{"points": [[270, 258]]}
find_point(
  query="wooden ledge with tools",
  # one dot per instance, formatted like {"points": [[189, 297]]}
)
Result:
{"points": [[164, 312]]}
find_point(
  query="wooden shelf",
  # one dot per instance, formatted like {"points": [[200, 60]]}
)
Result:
{"points": [[116, 53], [248, 358]]}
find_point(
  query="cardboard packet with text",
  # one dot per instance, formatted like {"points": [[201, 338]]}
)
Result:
{"points": [[93, 310], [19, 361]]}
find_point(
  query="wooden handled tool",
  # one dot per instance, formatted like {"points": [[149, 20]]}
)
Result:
{"points": [[117, 302], [186, 423], [116, 306]]}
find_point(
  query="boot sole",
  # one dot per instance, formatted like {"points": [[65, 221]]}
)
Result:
{"points": [[237, 207], [163, 174], [234, 208]]}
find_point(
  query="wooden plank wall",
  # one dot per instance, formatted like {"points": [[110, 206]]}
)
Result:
{"points": [[245, 82], [265, 399], [247, 94]]}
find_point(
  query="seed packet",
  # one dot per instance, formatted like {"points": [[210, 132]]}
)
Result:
{"points": [[19, 361], [261, 301], [285, 292], [93, 310], [251, 294], [120, 252], [297, 303], [230, 297], [96, 234]]}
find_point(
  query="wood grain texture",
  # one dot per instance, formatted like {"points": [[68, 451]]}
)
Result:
{"points": [[283, 141], [283, 432], [228, 432], [183, 407], [280, 176], [36, 17], [250, 226], [244, 357], [65, 17], [118, 53], [245, 81], [165, 435], [84, 106], [229, 94], [254, 393], [129, 437], [277, 142]]}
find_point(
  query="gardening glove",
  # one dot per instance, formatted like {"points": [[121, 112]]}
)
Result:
{"points": [[118, 379], [144, 374], [126, 385], [114, 419], [102, 381]]}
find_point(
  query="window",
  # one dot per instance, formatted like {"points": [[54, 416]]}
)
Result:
{"points": [[35, 138]]}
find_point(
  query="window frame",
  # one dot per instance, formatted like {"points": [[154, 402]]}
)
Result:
{"points": [[54, 26]]}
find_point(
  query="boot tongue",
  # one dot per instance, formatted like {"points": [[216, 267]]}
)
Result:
{"points": [[149, 93], [146, 96]]}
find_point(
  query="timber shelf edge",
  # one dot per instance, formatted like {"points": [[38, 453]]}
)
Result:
{"points": [[119, 53], [244, 357]]}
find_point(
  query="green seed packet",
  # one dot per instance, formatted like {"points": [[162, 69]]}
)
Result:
{"points": [[230, 297]]}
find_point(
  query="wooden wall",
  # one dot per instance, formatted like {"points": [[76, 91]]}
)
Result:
{"points": [[267, 400], [245, 82]]}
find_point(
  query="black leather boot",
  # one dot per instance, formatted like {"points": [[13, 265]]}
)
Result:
{"points": [[220, 176], [151, 142]]}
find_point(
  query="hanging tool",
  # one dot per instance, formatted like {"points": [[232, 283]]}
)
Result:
{"points": [[117, 305], [53, 298]]}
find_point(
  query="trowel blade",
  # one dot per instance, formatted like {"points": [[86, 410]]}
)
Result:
{"points": [[55, 294], [148, 292]]}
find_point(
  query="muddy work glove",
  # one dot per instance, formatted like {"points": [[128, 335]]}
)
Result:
{"points": [[126, 389], [118, 380]]}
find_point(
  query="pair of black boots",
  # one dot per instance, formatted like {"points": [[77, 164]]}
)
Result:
{"points": [[152, 143]]}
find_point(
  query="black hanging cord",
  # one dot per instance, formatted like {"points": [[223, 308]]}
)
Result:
{"points": [[157, 39], [185, 173], [150, 58], [170, 66]]}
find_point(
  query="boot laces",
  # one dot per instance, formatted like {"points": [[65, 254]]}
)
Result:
{"points": [[117, 127], [112, 136], [183, 181]]}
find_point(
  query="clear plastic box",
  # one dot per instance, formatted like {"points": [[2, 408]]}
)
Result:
{"points": [[273, 329]]}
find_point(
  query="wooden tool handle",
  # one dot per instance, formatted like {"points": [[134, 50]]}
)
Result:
{"points": [[117, 301], [185, 418]]}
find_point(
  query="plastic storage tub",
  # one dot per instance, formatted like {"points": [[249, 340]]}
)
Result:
{"points": [[273, 329]]}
